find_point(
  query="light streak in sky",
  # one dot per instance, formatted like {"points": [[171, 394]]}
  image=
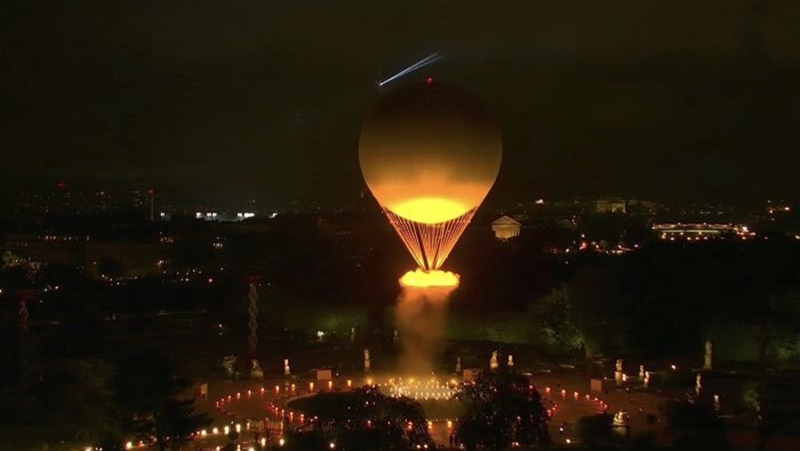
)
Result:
{"points": [[430, 59]]}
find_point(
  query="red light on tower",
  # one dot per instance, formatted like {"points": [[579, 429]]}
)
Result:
{"points": [[150, 192], [429, 80], [61, 185]]}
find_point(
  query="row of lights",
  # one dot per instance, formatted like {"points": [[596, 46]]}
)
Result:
{"points": [[282, 413]]}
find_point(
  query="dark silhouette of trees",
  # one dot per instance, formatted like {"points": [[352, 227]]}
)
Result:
{"points": [[74, 398], [110, 267], [553, 323], [363, 420], [694, 426], [664, 298], [501, 408], [596, 307], [153, 400]]}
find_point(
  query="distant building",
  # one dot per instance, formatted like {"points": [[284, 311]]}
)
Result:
{"points": [[611, 205], [49, 248], [701, 232], [505, 228], [626, 206]]}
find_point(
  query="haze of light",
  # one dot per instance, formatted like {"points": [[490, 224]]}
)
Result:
{"points": [[429, 279], [429, 210], [433, 197], [420, 318]]}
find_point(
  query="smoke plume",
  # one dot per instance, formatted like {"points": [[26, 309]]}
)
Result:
{"points": [[420, 318]]}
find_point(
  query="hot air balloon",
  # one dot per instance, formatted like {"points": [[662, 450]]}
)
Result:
{"points": [[429, 153]]}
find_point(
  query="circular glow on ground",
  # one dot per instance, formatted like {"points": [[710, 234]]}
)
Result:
{"points": [[425, 279]]}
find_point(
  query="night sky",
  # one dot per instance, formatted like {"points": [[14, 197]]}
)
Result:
{"points": [[673, 100]]}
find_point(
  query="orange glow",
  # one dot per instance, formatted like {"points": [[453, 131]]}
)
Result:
{"points": [[429, 210], [429, 155], [429, 142], [423, 279], [430, 197]]}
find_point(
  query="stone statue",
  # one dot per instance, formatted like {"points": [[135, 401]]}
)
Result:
{"points": [[286, 370], [458, 364], [256, 371], [367, 363], [708, 356], [621, 419], [228, 363], [510, 361], [493, 361]]}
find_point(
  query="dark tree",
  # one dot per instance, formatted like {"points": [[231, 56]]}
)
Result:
{"points": [[154, 401], [596, 308], [596, 431], [552, 324], [365, 420], [693, 425], [502, 408], [109, 267], [74, 398]]}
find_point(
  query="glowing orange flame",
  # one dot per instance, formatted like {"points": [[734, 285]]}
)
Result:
{"points": [[425, 279]]}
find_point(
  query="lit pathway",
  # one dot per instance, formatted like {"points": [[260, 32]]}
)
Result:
{"points": [[264, 404]]}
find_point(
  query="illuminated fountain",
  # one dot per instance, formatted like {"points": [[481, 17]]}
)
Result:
{"points": [[428, 389]]}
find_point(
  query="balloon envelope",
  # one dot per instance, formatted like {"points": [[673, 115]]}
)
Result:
{"points": [[429, 152]]}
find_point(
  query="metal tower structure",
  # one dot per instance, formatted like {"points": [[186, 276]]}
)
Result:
{"points": [[252, 310]]}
